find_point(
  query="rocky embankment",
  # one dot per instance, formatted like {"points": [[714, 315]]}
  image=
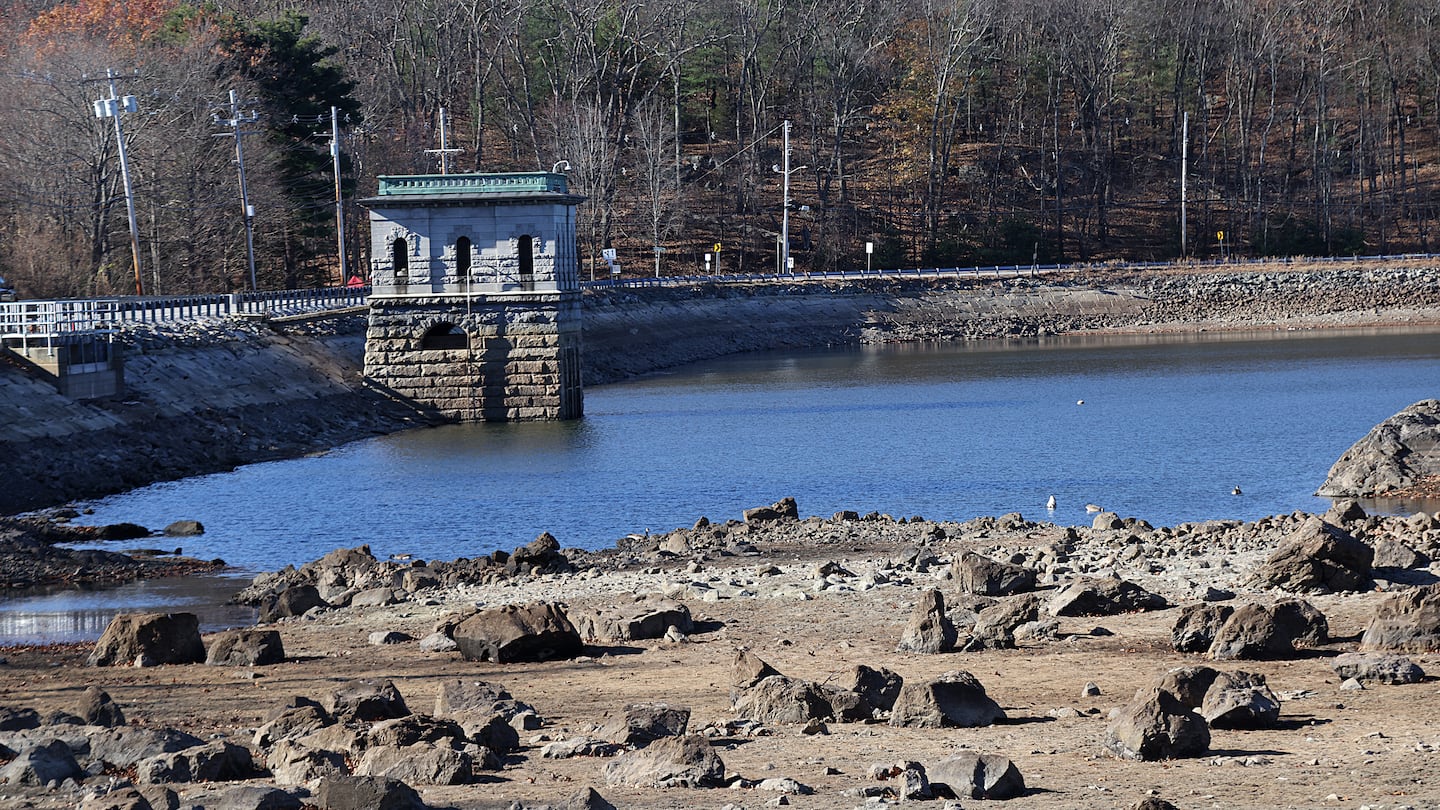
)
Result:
{"points": [[201, 398], [630, 332], [210, 396], [839, 662]]}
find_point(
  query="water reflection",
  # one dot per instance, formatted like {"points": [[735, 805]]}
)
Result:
{"points": [[82, 615]]}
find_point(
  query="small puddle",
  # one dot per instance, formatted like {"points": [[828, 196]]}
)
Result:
{"points": [[82, 615]]}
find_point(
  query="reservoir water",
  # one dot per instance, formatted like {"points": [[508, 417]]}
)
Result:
{"points": [[1167, 429]]}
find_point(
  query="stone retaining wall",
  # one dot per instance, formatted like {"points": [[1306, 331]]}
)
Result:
{"points": [[520, 362]]}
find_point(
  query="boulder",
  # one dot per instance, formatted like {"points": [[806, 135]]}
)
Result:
{"points": [[246, 648], [422, 763], [928, 632], [466, 698], [412, 729], [291, 722], [215, 762], [296, 600], [974, 573], [778, 699], [783, 509], [540, 555], [342, 792], [643, 723], [1240, 700], [366, 700], [750, 670], [1188, 684], [1196, 626], [877, 687], [955, 699], [673, 762], [645, 618], [1391, 553], [1107, 521], [1318, 557], [1396, 454], [539, 631], [185, 528], [1379, 667], [1256, 631], [1408, 621], [95, 708], [254, 797], [972, 775], [13, 719], [587, 798], [1155, 726], [41, 765], [1301, 621], [123, 746], [294, 763], [149, 638], [1103, 597], [995, 625], [376, 597]]}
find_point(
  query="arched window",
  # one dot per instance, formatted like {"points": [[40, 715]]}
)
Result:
{"points": [[445, 336], [462, 257], [400, 259], [527, 262]]}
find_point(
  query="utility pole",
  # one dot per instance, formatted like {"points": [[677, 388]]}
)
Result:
{"points": [[235, 121], [443, 151], [785, 173], [1184, 161], [113, 107], [339, 196]]}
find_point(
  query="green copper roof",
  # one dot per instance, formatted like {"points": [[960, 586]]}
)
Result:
{"points": [[470, 185]]}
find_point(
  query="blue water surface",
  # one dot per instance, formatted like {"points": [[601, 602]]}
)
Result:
{"points": [[1167, 429]]}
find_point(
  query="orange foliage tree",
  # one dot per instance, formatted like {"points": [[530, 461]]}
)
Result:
{"points": [[120, 23]]}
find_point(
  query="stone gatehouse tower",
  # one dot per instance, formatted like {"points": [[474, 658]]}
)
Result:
{"points": [[475, 310]]}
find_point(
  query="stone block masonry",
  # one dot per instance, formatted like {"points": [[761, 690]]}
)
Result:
{"points": [[482, 358]]}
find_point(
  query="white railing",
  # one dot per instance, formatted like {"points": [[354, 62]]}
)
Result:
{"points": [[47, 319], [43, 321]]}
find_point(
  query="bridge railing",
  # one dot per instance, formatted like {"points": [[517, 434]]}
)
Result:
{"points": [[157, 309], [44, 321]]}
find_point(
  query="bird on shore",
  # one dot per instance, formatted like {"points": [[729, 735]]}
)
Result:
{"points": [[1050, 504]]}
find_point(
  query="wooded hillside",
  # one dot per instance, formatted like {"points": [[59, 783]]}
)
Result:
{"points": [[947, 133]]}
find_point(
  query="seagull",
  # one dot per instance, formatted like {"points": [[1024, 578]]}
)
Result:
{"points": [[1050, 504], [1090, 507]]}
